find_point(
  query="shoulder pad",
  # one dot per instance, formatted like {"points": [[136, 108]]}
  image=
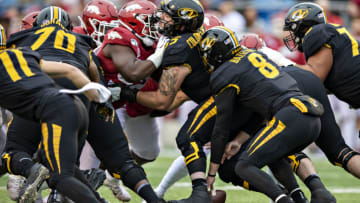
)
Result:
{"points": [[118, 35], [178, 50], [15, 37], [317, 37], [87, 39], [218, 79]]}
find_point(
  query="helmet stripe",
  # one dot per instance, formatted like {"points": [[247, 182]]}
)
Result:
{"points": [[229, 32], [56, 12], [51, 12], [59, 12], [2, 42]]}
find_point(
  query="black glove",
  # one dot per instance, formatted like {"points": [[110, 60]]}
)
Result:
{"points": [[128, 94], [158, 113], [95, 177], [105, 110]]}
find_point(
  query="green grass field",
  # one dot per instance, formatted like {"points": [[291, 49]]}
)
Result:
{"points": [[345, 187]]}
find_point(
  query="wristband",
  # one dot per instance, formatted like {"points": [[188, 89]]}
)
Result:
{"points": [[210, 175]]}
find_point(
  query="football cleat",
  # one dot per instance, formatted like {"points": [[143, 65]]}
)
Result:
{"points": [[117, 189], [322, 196], [198, 195], [15, 183], [38, 174]]}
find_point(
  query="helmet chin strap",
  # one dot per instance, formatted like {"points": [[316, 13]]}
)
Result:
{"points": [[146, 40]]}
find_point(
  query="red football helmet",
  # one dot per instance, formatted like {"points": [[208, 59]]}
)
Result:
{"points": [[137, 16], [252, 41], [28, 20], [99, 16], [211, 20]]}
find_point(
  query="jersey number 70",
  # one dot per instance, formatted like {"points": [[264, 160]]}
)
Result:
{"points": [[59, 39]]}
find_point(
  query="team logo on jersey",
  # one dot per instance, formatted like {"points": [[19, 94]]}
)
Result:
{"points": [[133, 7], [187, 13], [207, 43], [114, 35], [134, 42], [93, 9], [299, 15]]}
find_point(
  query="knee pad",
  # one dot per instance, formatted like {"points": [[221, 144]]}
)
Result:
{"points": [[344, 156], [195, 159], [130, 174], [227, 174], [55, 178], [17, 162], [295, 160]]}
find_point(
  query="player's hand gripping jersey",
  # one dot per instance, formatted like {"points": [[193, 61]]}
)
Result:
{"points": [[184, 50], [341, 80], [124, 37]]}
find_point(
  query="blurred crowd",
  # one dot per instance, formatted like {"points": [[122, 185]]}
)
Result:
{"points": [[264, 17]]}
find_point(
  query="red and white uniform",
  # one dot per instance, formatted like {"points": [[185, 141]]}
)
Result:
{"points": [[141, 129]]}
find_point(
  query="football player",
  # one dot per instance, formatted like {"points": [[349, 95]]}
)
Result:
{"points": [[32, 95], [246, 77], [97, 18], [178, 170], [180, 20], [332, 54], [101, 134]]}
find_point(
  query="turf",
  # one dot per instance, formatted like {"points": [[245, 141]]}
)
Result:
{"points": [[345, 187]]}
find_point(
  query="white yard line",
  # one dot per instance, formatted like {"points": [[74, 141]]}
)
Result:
{"points": [[231, 187]]}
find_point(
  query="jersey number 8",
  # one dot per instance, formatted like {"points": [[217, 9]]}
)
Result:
{"points": [[266, 69]]}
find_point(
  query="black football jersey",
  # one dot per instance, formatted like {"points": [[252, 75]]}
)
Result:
{"points": [[55, 44], [344, 78], [261, 85], [20, 78], [184, 50]]}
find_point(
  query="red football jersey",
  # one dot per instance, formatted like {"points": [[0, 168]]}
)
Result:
{"points": [[124, 37]]}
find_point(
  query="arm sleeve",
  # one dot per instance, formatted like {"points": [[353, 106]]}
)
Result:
{"points": [[225, 103]]}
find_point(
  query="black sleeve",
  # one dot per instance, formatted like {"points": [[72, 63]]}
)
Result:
{"points": [[225, 102], [316, 38]]}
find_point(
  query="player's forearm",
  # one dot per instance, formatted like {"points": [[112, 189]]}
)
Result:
{"points": [[241, 137], [154, 100], [180, 98], [137, 70], [58, 70]]}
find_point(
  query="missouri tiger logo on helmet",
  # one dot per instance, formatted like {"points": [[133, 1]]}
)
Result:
{"points": [[207, 43], [299, 15], [187, 13]]}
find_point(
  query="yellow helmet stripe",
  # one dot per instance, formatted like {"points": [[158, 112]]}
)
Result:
{"points": [[56, 13]]}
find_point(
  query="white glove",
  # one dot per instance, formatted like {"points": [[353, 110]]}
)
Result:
{"points": [[115, 93], [276, 57], [104, 93], [156, 57]]}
